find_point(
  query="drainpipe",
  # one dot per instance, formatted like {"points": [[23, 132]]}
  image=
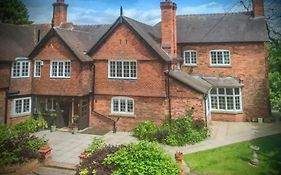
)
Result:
{"points": [[169, 97], [6, 108]]}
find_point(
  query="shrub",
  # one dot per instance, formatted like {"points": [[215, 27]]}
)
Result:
{"points": [[93, 164], [145, 130], [145, 158], [96, 144], [17, 145], [178, 132]]}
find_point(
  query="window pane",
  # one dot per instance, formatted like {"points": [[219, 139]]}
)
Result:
{"points": [[229, 91], [54, 69], [112, 69], [18, 105], [115, 105], [26, 105], [221, 102], [67, 69], [219, 55], [126, 69], [133, 69], [214, 91], [122, 105], [119, 69], [230, 105], [221, 91], [214, 103], [130, 106], [237, 91], [237, 103], [226, 57], [214, 57], [37, 68], [60, 69]]}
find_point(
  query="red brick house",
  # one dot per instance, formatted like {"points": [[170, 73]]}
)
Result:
{"points": [[120, 74]]}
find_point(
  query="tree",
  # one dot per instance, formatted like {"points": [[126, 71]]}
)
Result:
{"points": [[275, 72], [13, 12]]}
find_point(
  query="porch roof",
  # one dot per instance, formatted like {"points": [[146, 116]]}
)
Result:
{"points": [[223, 81]]}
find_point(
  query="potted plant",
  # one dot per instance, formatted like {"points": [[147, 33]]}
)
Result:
{"points": [[75, 119], [53, 116]]}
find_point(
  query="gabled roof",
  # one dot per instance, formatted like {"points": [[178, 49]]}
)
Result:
{"points": [[19, 40], [78, 42], [194, 82], [143, 31], [216, 28]]}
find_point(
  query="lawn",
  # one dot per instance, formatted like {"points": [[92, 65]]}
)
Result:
{"points": [[233, 159]]}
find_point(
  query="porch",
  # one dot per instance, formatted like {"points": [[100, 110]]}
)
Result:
{"points": [[64, 108]]}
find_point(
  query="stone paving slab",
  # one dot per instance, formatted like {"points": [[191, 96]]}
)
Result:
{"points": [[52, 171]]}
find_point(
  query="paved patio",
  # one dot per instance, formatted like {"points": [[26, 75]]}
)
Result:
{"points": [[67, 147]]}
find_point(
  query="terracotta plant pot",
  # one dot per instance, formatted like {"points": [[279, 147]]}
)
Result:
{"points": [[45, 152]]}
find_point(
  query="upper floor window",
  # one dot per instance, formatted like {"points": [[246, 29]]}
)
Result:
{"points": [[226, 99], [220, 57], [37, 68], [190, 57], [122, 69], [21, 106], [122, 105], [20, 69], [60, 69]]}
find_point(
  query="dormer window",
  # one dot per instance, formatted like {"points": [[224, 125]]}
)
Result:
{"points": [[220, 58], [190, 57], [60, 69], [20, 69]]}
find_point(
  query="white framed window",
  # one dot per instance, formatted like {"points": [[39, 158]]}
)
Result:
{"points": [[220, 58], [37, 68], [22, 106], [226, 99], [122, 105], [190, 57], [20, 69], [60, 69], [122, 69]]}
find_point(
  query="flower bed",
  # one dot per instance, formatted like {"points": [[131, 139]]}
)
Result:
{"points": [[178, 132]]}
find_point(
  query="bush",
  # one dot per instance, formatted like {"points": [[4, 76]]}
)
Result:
{"points": [[145, 158], [96, 144], [178, 132], [145, 130], [17, 145], [93, 164]]}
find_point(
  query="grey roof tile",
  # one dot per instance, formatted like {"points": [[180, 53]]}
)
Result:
{"points": [[223, 81]]}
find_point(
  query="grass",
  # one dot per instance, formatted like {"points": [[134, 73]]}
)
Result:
{"points": [[233, 159]]}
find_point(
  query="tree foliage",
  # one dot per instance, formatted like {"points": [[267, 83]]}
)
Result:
{"points": [[13, 12], [275, 72]]}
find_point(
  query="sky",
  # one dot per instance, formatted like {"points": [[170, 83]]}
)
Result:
{"points": [[107, 11]]}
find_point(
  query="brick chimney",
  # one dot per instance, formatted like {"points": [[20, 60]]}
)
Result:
{"points": [[258, 8], [168, 28], [59, 13]]}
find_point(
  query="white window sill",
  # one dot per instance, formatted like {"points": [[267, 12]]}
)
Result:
{"points": [[226, 112], [122, 115], [220, 66], [115, 78], [59, 77], [19, 77], [190, 65], [20, 115]]}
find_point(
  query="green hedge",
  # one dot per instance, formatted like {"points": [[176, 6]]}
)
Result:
{"points": [[17, 144], [178, 132]]}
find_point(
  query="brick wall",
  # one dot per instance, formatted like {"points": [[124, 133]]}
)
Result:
{"points": [[249, 64], [153, 109], [2, 105], [80, 81], [183, 99]]}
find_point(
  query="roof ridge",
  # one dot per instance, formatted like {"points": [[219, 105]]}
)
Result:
{"points": [[217, 14]]}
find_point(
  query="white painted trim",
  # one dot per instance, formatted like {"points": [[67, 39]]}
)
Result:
{"points": [[123, 78], [14, 114], [20, 69], [190, 64], [220, 65], [57, 76], [34, 68], [122, 98]]}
